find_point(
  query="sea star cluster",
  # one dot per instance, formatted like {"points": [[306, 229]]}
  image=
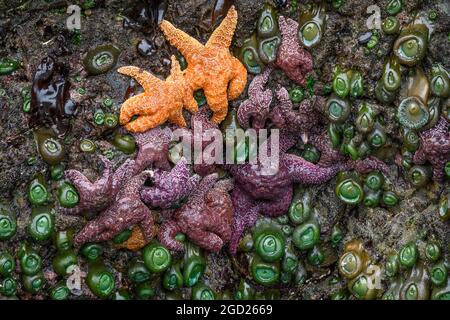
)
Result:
{"points": [[209, 216], [435, 148], [211, 67], [161, 101], [205, 218]]}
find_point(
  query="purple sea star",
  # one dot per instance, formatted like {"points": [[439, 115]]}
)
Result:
{"points": [[206, 217], [200, 124], [295, 61], [117, 195], [97, 195], [170, 186], [153, 148], [271, 195], [126, 211], [254, 111], [303, 120], [435, 148]]}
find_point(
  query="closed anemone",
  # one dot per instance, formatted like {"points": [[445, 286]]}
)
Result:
{"points": [[411, 45]]}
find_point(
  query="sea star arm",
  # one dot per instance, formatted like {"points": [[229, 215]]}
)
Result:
{"points": [[167, 233], [288, 27], [419, 156], [245, 215], [206, 239], [189, 102], [244, 113], [177, 118], [278, 114], [216, 96], [239, 80], [137, 105], [368, 164], [121, 174], [259, 82], [142, 123], [328, 155], [145, 79], [305, 172], [180, 40], [223, 35], [175, 70], [148, 225], [94, 231]]}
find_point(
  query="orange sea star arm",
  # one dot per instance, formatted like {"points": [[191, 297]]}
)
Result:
{"points": [[239, 81], [180, 40], [145, 79], [223, 35], [175, 70], [144, 123], [129, 108], [177, 118]]}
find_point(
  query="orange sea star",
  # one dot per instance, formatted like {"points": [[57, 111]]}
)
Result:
{"points": [[135, 242], [160, 102], [211, 67]]}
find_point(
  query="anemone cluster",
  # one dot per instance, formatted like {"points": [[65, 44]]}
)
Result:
{"points": [[171, 215]]}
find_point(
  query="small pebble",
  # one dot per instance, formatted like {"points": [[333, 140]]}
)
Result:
{"points": [[146, 48], [365, 37]]}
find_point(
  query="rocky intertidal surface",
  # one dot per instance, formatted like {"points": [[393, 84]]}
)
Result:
{"points": [[225, 149]]}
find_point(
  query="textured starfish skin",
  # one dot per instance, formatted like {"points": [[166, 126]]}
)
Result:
{"points": [[153, 149], [322, 142], [271, 195], [435, 148], [304, 120], [254, 111], [162, 100], [97, 195], [127, 210], [295, 61], [205, 219], [170, 187], [117, 195], [200, 124], [211, 67]]}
